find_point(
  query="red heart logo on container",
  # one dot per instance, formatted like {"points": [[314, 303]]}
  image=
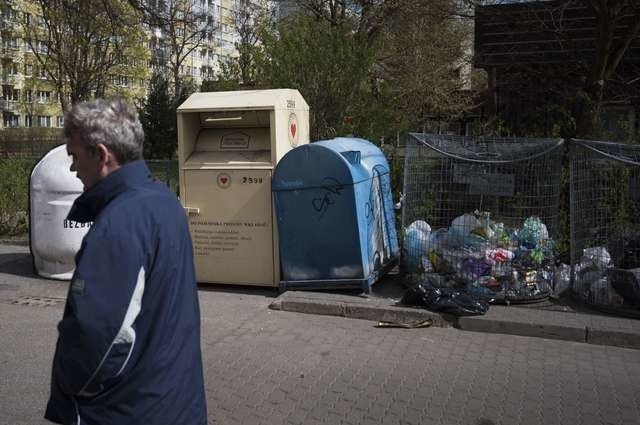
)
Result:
{"points": [[224, 180], [293, 129]]}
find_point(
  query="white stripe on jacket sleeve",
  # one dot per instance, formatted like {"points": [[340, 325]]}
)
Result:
{"points": [[126, 334]]}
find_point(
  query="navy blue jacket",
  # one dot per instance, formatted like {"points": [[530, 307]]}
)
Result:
{"points": [[128, 349]]}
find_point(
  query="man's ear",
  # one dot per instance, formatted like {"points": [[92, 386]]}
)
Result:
{"points": [[104, 154]]}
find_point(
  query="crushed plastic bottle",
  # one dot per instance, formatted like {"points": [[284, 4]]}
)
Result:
{"points": [[533, 232], [416, 242], [562, 279], [597, 255]]}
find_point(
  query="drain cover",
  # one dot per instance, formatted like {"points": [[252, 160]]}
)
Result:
{"points": [[37, 301]]}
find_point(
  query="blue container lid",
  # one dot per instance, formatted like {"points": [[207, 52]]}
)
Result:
{"points": [[339, 161]]}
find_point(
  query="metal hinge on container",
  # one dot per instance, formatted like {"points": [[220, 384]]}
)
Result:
{"points": [[191, 210]]}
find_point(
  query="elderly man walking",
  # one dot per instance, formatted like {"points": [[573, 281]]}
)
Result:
{"points": [[128, 349]]}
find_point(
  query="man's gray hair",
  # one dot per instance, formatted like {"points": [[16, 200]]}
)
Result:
{"points": [[113, 122]]}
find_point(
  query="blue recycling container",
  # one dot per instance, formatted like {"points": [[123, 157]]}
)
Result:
{"points": [[335, 215]]}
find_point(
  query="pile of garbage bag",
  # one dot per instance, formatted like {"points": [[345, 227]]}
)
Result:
{"points": [[483, 257], [600, 282], [444, 300]]}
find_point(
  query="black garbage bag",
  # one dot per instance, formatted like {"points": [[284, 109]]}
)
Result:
{"points": [[626, 283], [444, 300]]}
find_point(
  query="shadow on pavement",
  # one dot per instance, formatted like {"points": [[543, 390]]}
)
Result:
{"points": [[389, 287], [239, 289], [19, 264]]}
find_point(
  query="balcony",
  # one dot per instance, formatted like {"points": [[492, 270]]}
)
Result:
{"points": [[8, 79], [7, 22], [209, 61], [8, 105]]}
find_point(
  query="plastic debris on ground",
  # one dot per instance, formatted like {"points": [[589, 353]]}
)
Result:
{"points": [[411, 325], [483, 257]]}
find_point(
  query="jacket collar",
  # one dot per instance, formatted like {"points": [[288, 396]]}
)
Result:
{"points": [[88, 205]]}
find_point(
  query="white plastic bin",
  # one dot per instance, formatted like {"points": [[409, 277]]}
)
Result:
{"points": [[54, 240]]}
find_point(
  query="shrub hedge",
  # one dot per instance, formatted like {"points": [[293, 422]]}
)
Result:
{"points": [[14, 195], [14, 189]]}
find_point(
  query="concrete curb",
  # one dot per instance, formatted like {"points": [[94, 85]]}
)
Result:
{"points": [[355, 308], [16, 241], [590, 328], [615, 338], [549, 331], [531, 322]]}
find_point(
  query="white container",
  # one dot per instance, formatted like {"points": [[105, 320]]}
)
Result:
{"points": [[54, 239]]}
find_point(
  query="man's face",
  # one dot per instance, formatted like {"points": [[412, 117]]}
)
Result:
{"points": [[86, 162]]}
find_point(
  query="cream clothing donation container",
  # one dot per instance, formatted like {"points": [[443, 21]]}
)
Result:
{"points": [[228, 145]]}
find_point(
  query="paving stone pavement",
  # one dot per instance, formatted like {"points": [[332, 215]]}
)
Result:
{"points": [[284, 368], [277, 367]]}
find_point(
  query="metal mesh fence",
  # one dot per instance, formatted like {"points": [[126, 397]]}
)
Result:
{"points": [[605, 225], [28, 142], [481, 214]]}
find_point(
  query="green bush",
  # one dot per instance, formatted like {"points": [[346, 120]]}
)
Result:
{"points": [[166, 171], [14, 190], [14, 195]]}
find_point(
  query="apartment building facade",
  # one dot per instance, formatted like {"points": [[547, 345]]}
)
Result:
{"points": [[28, 97]]}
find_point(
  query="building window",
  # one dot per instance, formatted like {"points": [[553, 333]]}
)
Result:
{"points": [[41, 47], [10, 120], [10, 94], [121, 80], [60, 121], [44, 121], [28, 121], [44, 96], [28, 96], [11, 68], [9, 14], [10, 43], [28, 69]]}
